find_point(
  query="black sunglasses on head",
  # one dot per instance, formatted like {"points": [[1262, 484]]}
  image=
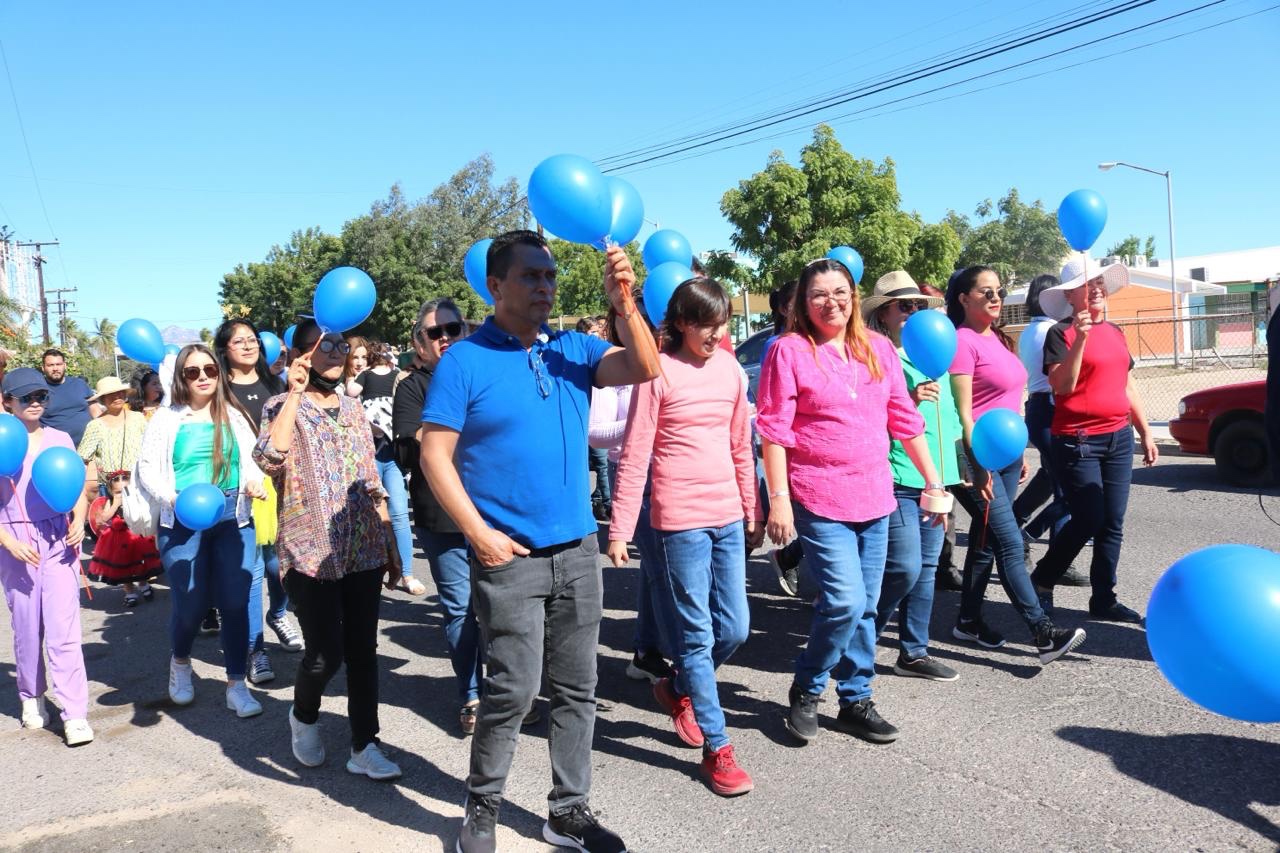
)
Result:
{"points": [[435, 333]]}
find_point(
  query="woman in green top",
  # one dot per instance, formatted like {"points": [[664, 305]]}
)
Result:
{"points": [[914, 545]]}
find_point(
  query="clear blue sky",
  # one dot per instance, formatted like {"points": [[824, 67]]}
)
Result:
{"points": [[172, 143]]}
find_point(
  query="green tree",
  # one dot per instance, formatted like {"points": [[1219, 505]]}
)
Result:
{"points": [[934, 253], [1020, 242], [1131, 246], [273, 292], [580, 275]]}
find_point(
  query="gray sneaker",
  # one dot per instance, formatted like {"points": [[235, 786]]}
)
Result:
{"points": [[924, 667], [479, 825], [308, 745]]}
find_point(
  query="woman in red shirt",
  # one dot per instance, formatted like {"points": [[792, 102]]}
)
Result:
{"points": [[1096, 410]]}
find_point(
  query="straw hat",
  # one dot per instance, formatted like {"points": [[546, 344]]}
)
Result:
{"points": [[894, 285], [1053, 300], [108, 385]]}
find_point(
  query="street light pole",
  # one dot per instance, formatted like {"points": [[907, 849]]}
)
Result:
{"points": [[1173, 267]]}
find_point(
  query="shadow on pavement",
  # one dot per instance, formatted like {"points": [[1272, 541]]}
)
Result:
{"points": [[1182, 477], [1223, 773]]}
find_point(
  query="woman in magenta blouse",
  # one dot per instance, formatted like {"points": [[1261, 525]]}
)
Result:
{"points": [[987, 374], [832, 394]]}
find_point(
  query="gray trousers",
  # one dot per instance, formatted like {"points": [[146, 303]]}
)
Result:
{"points": [[543, 607]]}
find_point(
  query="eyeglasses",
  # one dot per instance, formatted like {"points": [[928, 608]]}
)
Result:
{"points": [[328, 346], [989, 294], [35, 398], [911, 306], [191, 374], [435, 333], [841, 297], [243, 343], [117, 476], [539, 373]]}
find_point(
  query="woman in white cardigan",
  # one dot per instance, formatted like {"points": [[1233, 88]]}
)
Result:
{"points": [[204, 436]]}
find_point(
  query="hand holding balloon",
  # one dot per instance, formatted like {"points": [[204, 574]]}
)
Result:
{"points": [[619, 278]]}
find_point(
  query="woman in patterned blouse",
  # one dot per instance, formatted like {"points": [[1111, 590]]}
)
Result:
{"points": [[334, 543]]}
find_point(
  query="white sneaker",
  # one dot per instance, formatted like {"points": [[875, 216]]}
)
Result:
{"points": [[181, 690], [372, 763], [308, 746], [240, 700], [77, 732], [260, 670], [34, 715]]}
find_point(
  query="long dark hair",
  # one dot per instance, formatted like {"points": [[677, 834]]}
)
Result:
{"points": [[700, 301], [221, 339], [778, 299], [963, 282], [220, 407], [856, 335], [1038, 285], [138, 387]]}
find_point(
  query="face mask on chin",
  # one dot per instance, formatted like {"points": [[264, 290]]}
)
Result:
{"points": [[320, 383]]}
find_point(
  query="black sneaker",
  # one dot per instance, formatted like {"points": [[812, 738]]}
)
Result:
{"points": [[802, 719], [650, 666], [479, 825], [787, 572], [1053, 642], [861, 719], [949, 579], [578, 829], [1075, 577], [602, 511], [924, 667], [211, 623], [977, 632], [1117, 612]]}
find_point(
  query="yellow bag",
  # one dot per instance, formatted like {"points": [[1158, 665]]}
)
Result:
{"points": [[265, 516]]}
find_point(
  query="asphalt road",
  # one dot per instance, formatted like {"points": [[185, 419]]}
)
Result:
{"points": [[1094, 752]]}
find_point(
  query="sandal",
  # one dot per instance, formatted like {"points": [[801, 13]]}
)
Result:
{"points": [[467, 717], [145, 590], [130, 599], [413, 586]]}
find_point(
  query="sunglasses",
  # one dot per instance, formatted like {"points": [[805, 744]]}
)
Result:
{"points": [[191, 374], [435, 333], [989, 294], [327, 346], [118, 476], [910, 306], [35, 398]]}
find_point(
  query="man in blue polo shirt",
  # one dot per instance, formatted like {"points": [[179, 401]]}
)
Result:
{"points": [[504, 436]]}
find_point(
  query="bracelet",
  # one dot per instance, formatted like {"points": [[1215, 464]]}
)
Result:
{"points": [[781, 493], [937, 486], [936, 504]]}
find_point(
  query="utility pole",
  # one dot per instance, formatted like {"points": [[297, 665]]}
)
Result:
{"points": [[63, 305], [38, 260]]}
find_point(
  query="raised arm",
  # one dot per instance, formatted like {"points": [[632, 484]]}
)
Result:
{"points": [[636, 360]]}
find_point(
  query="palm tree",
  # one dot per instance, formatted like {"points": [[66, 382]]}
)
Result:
{"points": [[104, 339]]}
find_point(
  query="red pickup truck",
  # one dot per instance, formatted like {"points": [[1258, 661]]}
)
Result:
{"points": [[1226, 423]]}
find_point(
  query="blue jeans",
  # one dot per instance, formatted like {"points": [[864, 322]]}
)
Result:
{"points": [[447, 557], [398, 509], [1000, 541], [648, 636], [598, 462], [909, 572], [1095, 472], [210, 568], [702, 589], [1052, 517], [265, 568], [847, 559]]}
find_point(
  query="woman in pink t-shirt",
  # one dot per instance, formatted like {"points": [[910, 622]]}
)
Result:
{"points": [[832, 394], [987, 374], [690, 425]]}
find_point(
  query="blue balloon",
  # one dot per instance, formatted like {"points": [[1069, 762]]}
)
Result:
{"points": [[288, 335], [13, 445], [271, 347], [172, 350], [140, 340], [999, 437], [658, 287], [851, 259], [344, 299], [58, 475], [667, 247], [628, 211], [476, 267], [570, 197], [200, 506], [1213, 625], [930, 342], [1082, 216]]}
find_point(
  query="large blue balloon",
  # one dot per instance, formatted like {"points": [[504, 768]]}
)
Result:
{"points": [[200, 506], [140, 340], [288, 335], [667, 247], [850, 258], [13, 445], [58, 475], [570, 197], [658, 287], [999, 437], [628, 211], [344, 299], [271, 347], [1082, 216], [1213, 625], [476, 267], [930, 342]]}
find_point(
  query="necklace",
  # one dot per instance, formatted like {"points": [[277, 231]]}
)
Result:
{"points": [[852, 386]]}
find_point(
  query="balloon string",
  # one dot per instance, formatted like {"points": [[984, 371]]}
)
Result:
{"points": [[942, 456], [22, 516]]}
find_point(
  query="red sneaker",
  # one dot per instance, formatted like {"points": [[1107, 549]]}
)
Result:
{"points": [[723, 774], [681, 711]]}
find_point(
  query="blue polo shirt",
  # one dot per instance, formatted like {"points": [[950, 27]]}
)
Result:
{"points": [[521, 416]]}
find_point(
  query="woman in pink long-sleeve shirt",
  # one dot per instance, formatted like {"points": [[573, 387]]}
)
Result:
{"points": [[832, 394], [691, 426]]}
